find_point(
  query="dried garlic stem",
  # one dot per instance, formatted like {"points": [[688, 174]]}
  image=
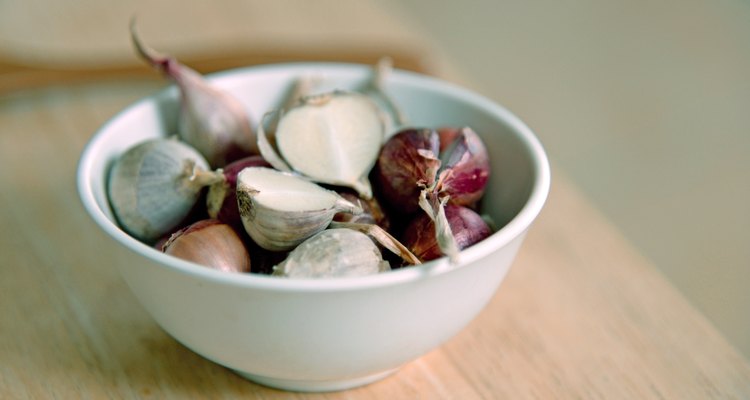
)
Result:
{"points": [[199, 177], [383, 70], [435, 209], [382, 237], [302, 87]]}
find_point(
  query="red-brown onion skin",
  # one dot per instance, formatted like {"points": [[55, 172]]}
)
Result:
{"points": [[466, 225], [467, 167], [212, 244], [401, 172], [225, 192]]}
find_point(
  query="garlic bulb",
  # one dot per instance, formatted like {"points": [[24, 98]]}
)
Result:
{"points": [[279, 210], [330, 253], [210, 243], [211, 120], [154, 185], [332, 138]]}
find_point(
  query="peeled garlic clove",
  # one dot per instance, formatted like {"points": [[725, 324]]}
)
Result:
{"points": [[333, 138], [154, 185], [211, 120], [212, 244], [331, 253], [279, 210]]}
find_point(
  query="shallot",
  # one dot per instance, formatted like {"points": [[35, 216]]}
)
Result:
{"points": [[210, 243], [408, 162], [465, 166], [467, 228]]}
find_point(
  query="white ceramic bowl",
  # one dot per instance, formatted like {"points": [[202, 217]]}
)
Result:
{"points": [[319, 335]]}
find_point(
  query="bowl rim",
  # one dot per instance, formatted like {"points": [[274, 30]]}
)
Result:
{"points": [[516, 227]]}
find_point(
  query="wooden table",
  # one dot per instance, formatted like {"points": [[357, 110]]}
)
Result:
{"points": [[580, 315]]}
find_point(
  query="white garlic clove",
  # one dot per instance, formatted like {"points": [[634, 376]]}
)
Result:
{"points": [[332, 253], [279, 210], [266, 148], [382, 237], [154, 185], [210, 119], [333, 138]]}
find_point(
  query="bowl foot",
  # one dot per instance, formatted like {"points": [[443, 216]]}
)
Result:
{"points": [[315, 385]]}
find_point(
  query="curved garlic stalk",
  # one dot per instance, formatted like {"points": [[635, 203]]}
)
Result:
{"points": [[332, 138], [381, 236], [435, 209], [376, 88], [332, 253], [279, 210], [211, 120]]}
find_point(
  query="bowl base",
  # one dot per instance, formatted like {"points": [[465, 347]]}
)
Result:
{"points": [[316, 386]]}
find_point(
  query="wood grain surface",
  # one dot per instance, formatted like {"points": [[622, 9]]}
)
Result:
{"points": [[16, 75], [580, 315]]}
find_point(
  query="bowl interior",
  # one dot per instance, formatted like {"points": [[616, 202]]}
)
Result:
{"points": [[519, 179]]}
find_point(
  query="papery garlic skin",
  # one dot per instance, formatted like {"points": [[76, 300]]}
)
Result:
{"points": [[152, 186], [333, 138], [333, 253], [279, 210]]}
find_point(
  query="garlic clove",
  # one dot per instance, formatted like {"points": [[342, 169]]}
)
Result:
{"points": [[382, 237], [154, 185], [333, 138], [210, 243], [266, 148], [332, 253], [221, 199], [279, 210], [211, 120]]}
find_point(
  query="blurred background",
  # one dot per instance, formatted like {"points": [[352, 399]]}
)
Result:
{"points": [[644, 105]]}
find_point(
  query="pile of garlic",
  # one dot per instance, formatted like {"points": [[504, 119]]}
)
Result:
{"points": [[293, 196]]}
